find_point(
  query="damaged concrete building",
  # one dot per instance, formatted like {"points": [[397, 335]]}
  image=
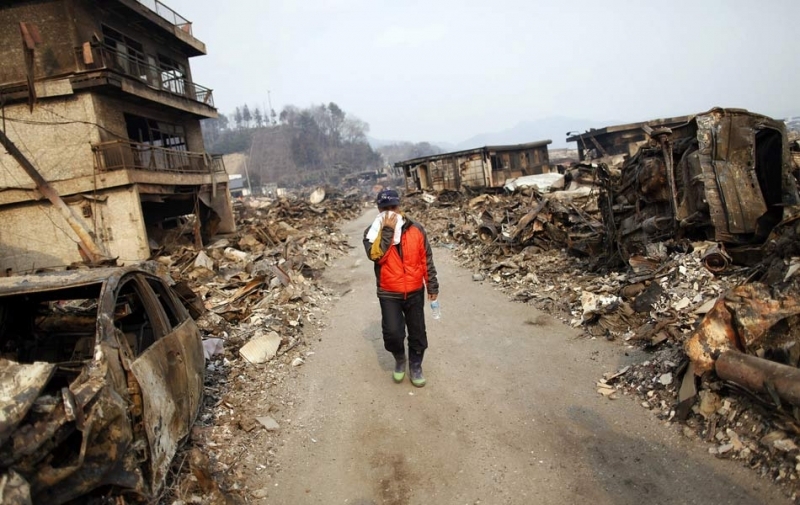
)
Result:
{"points": [[483, 167], [99, 97]]}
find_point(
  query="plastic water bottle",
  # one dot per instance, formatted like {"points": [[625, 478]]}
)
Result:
{"points": [[435, 310]]}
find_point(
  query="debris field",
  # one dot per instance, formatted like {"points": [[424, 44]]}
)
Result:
{"points": [[658, 251], [712, 294], [257, 297]]}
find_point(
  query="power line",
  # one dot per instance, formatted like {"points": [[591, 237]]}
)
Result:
{"points": [[18, 184], [58, 123]]}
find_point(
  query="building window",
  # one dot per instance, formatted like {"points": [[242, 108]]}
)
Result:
{"points": [[156, 133], [127, 55], [173, 75]]}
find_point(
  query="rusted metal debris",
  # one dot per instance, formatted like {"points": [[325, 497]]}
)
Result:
{"points": [[780, 382], [748, 324], [724, 175], [102, 375], [716, 259], [743, 321]]}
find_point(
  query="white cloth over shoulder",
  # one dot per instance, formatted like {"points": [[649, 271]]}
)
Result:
{"points": [[377, 224]]}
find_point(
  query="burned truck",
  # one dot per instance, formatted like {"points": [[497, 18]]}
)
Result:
{"points": [[101, 376], [723, 176]]}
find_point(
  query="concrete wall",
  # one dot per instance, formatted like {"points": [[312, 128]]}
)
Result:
{"points": [[120, 225], [35, 236], [53, 56], [55, 137]]}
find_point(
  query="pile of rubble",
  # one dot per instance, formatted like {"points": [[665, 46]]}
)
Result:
{"points": [[256, 297], [722, 333]]}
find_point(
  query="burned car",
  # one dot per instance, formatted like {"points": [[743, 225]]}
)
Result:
{"points": [[723, 176], [101, 376]]}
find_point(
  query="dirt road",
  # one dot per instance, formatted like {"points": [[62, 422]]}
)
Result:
{"points": [[510, 414]]}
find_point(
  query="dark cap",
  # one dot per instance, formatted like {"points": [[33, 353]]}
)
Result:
{"points": [[388, 198]]}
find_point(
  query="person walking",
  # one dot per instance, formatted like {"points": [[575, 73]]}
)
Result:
{"points": [[403, 270]]}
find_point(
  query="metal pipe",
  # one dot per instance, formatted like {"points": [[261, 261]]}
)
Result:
{"points": [[666, 150], [760, 375]]}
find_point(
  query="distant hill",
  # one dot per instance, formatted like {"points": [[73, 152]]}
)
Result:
{"points": [[552, 128], [376, 143]]}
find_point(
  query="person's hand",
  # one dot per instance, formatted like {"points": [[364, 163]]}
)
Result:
{"points": [[433, 296], [390, 220]]}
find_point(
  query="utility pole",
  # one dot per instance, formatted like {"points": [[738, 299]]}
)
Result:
{"points": [[247, 172], [88, 247]]}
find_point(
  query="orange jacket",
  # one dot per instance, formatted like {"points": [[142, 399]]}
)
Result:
{"points": [[402, 268]]}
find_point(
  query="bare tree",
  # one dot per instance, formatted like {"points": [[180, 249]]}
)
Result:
{"points": [[354, 129], [289, 115], [246, 116], [237, 117]]}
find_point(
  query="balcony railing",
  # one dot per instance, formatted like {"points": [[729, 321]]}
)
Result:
{"points": [[168, 14], [164, 79], [122, 155]]}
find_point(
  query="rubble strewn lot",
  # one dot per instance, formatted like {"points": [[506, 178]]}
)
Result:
{"points": [[658, 251], [714, 299], [84, 347], [257, 297]]}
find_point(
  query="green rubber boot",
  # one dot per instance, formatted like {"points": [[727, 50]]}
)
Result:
{"points": [[399, 368], [415, 369]]}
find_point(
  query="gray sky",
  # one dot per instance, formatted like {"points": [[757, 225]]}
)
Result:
{"points": [[444, 70]]}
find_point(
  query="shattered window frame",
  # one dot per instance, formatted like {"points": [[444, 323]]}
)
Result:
{"points": [[157, 318], [174, 310]]}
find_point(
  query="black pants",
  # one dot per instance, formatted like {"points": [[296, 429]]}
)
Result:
{"points": [[397, 315]]}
